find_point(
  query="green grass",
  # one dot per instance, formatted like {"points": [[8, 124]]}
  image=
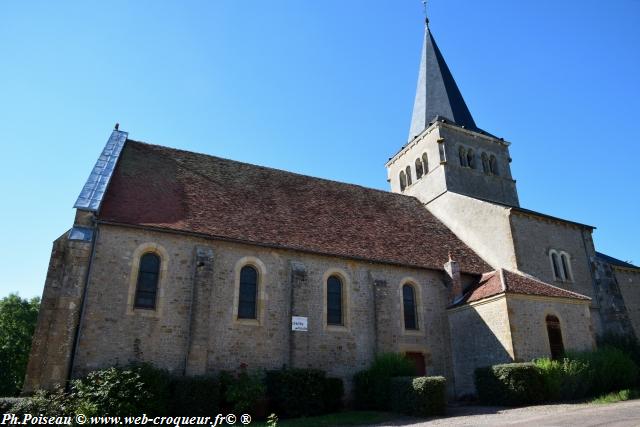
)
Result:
{"points": [[618, 396], [348, 418]]}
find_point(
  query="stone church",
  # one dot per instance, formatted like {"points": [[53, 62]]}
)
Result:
{"points": [[199, 264]]}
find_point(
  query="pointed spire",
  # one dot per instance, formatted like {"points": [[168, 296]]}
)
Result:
{"points": [[437, 93]]}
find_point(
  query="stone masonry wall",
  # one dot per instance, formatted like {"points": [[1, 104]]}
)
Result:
{"points": [[207, 337], [527, 316], [480, 336], [629, 283]]}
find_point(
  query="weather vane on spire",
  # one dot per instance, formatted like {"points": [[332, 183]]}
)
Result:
{"points": [[426, 16]]}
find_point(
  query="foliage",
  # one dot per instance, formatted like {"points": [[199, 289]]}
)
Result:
{"points": [[349, 418], [296, 392], [51, 403], [511, 384], [332, 395], [272, 420], [195, 396], [17, 323], [627, 343], [610, 369], [619, 396], [123, 391], [6, 403], [246, 392], [565, 379], [372, 386], [419, 396]]}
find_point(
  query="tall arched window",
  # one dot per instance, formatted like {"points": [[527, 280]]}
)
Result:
{"points": [[555, 263], [425, 163], [493, 165], [471, 158], [485, 164], [418, 169], [408, 171], [334, 301], [403, 181], [248, 294], [147, 286], [566, 268], [409, 307], [555, 337], [462, 154]]}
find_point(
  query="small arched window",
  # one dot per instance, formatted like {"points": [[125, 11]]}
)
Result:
{"points": [[566, 267], [555, 337], [408, 171], [247, 298], [493, 165], [334, 301], [485, 164], [425, 163], [471, 159], [409, 307], [403, 181], [418, 169], [462, 154], [147, 286], [555, 262]]}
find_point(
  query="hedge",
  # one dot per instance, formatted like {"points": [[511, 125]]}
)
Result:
{"points": [[512, 384], [372, 386], [6, 403], [296, 392], [197, 396], [418, 396], [332, 394]]}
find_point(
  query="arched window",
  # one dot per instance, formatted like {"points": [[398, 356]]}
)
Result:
{"points": [[566, 267], [334, 301], [493, 165], [425, 163], [555, 337], [418, 169], [462, 154], [471, 159], [555, 263], [403, 181], [408, 171], [409, 307], [147, 286], [485, 164], [248, 294]]}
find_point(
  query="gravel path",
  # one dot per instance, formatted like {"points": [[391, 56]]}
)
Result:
{"points": [[621, 414]]}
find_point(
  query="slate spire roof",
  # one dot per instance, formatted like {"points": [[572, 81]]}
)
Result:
{"points": [[437, 93]]}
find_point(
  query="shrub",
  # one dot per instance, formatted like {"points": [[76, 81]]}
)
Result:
{"points": [[123, 391], [610, 370], [296, 392], [6, 403], [511, 384], [195, 396], [333, 393], [565, 379], [371, 387], [419, 396], [245, 392], [51, 403], [627, 343]]}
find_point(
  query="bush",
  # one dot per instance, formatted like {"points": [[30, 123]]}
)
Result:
{"points": [[6, 403], [627, 343], [565, 379], [419, 396], [195, 396], [372, 386], [246, 392], [333, 393], [51, 403], [610, 369], [123, 391], [512, 384], [296, 392]]}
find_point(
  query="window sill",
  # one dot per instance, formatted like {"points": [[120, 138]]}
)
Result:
{"points": [[336, 328], [247, 322]]}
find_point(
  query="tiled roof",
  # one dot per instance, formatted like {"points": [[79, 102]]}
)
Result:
{"points": [[495, 283], [170, 189], [615, 261]]}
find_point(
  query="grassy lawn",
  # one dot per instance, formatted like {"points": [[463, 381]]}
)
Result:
{"points": [[618, 396], [348, 418]]}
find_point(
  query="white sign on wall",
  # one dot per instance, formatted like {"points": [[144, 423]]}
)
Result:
{"points": [[298, 323]]}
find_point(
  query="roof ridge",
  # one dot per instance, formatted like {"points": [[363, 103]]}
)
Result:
{"points": [[273, 169]]}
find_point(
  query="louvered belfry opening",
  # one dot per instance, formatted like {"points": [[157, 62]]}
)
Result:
{"points": [[555, 337]]}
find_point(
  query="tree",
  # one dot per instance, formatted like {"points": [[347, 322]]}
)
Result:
{"points": [[17, 323]]}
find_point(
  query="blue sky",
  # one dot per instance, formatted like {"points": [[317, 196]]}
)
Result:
{"points": [[323, 88]]}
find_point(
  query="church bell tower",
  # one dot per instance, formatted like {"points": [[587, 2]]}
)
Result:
{"points": [[446, 150]]}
